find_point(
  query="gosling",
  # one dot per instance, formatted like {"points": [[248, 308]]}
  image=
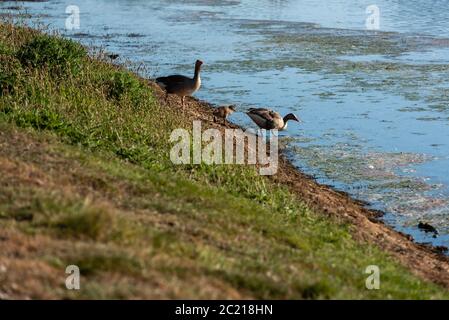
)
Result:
{"points": [[223, 112]]}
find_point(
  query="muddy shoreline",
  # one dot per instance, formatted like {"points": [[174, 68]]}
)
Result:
{"points": [[424, 260]]}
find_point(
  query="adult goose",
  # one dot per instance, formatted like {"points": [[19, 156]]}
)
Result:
{"points": [[181, 85], [269, 119]]}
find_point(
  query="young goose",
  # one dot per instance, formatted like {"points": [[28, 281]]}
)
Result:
{"points": [[181, 85], [269, 120], [223, 112]]}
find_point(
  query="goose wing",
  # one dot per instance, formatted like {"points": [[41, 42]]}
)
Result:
{"points": [[264, 118], [173, 81]]}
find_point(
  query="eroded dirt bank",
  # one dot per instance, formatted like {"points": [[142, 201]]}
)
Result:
{"points": [[425, 261]]}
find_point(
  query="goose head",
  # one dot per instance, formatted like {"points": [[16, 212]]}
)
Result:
{"points": [[198, 64], [290, 116]]}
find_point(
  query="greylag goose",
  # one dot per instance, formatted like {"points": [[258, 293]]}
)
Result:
{"points": [[181, 85], [223, 112], [269, 120]]}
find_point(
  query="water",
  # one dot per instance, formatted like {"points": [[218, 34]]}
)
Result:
{"points": [[375, 104]]}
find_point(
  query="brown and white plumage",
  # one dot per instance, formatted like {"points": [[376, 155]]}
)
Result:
{"points": [[269, 119], [181, 85], [223, 112]]}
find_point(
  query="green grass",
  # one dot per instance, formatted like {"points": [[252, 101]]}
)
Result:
{"points": [[59, 56], [86, 175]]}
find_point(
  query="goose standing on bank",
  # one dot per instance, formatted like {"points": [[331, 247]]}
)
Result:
{"points": [[223, 112], [181, 85], [269, 119]]}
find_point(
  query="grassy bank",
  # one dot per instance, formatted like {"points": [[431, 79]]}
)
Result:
{"points": [[86, 179]]}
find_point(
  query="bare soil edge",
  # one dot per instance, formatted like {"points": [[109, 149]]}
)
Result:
{"points": [[425, 261]]}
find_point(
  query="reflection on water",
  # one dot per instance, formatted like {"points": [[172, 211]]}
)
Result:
{"points": [[375, 103]]}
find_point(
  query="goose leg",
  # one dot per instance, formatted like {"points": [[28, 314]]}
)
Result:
{"points": [[182, 101]]}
